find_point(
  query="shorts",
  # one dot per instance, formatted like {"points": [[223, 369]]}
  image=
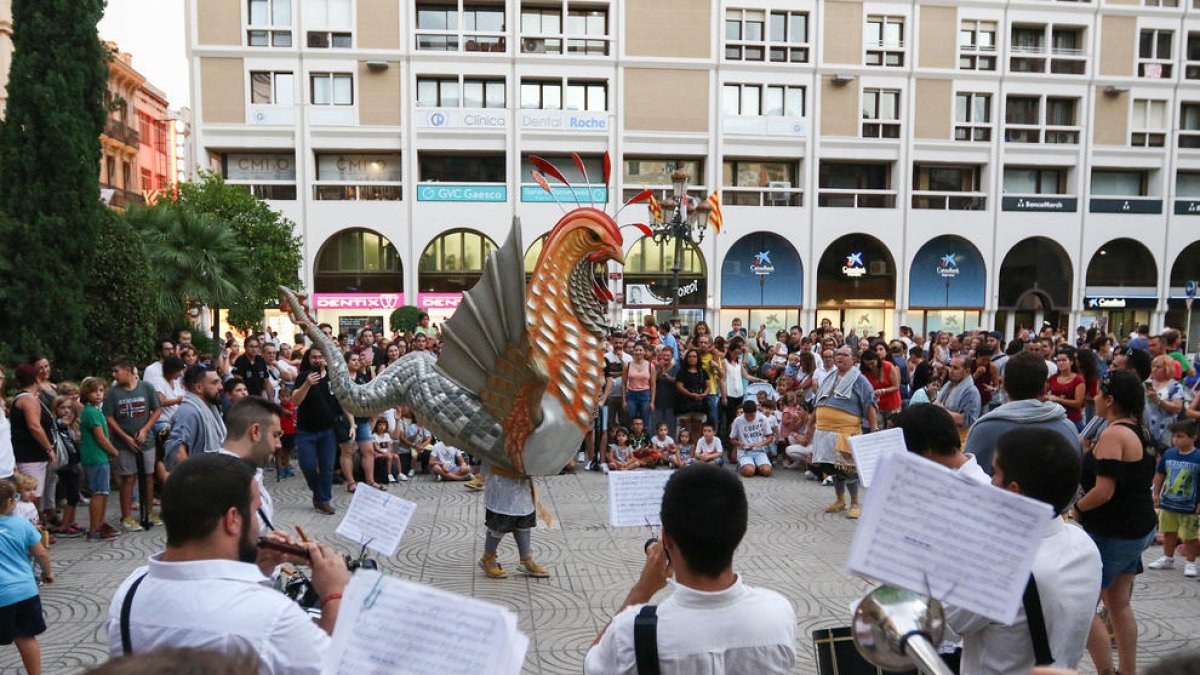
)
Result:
{"points": [[127, 463], [289, 442], [1186, 524], [99, 478], [755, 458], [68, 480], [502, 523], [1120, 556], [362, 431], [21, 619]]}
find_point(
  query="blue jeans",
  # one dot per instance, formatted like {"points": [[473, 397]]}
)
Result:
{"points": [[712, 404], [316, 451], [637, 404]]}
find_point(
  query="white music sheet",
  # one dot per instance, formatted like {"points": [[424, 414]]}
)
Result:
{"points": [[377, 519], [868, 448], [635, 497], [932, 531]]}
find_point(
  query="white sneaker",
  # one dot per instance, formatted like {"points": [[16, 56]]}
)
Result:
{"points": [[1163, 563], [391, 478], [581, 457], [437, 477], [828, 481], [403, 478], [604, 468], [1189, 570], [410, 473]]}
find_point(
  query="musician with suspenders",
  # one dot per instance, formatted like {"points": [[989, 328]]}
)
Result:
{"points": [[713, 622]]}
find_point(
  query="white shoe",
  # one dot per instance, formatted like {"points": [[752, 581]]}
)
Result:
{"points": [[410, 473], [1189, 570], [581, 457], [810, 475], [402, 478], [604, 468], [437, 477], [1163, 563], [391, 478], [828, 481]]}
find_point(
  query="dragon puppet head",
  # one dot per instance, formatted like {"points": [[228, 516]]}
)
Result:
{"points": [[574, 252]]}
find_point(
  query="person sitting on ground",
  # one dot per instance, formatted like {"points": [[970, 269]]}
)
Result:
{"points": [[1039, 463], [708, 447], [639, 440], [386, 462], [745, 629], [448, 463], [620, 454], [685, 452], [752, 435], [662, 445], [208, 590], [930, 432], [1024, 388]]}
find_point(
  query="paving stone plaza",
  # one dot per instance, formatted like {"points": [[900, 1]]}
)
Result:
{"points": [[791, 547]]}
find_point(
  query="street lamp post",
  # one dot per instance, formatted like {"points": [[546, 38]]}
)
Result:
{"points": [[685, 223]]}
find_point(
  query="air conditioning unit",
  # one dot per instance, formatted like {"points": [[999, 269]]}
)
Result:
{"points": [[533, 46], [777, 190], [877, 268]]}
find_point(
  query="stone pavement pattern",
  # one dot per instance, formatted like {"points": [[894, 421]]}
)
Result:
{"points": [[791, 547]]}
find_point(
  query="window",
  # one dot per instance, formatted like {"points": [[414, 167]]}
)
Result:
{"points": [[1148, 123], [1160, 3], [881, 113], [1023, 121], [745, 35], [1115, 183], [269, 176], [272, 88], [332, 88], [977, 45], [788, 37], [1035, 181], [1154, 53], [885, 41], [452, 168], [449, 92], [775, 100], [1187, 184], [1189, 125], [358, 261], [753, 182], [584, 95], [940, 187], [1027, 49], [366, 177], [972, 117], [478, 28], [1191, 69], [742, 99], [594, 165], [655, 173], [1067, 56], [328, 39], [544, 32], [270, 23], [855, 185], [541, 94], [587, 32]]}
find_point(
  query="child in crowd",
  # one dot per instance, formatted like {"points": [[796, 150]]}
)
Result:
{"points": [[662, 444], [21, 619], [639, 440], [287, 422], [27, 505], [386, 461], [1178, 498], [95, 451], [508, 507], [66, 425], [774, 420], [448, 463], [708, 448], [620, 454], [416, 437], [684, 451]]}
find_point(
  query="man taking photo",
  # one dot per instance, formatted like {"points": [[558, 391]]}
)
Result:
{"points": [[208, 589], [712, 622]]}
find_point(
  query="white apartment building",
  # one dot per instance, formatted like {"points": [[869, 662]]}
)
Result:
{"points": [[943, 165]]}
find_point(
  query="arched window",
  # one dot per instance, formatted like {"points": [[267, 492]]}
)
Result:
{"points": [[358, 261], [453, 262]]}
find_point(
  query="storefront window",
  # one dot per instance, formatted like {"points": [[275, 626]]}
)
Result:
{"points": [[358, 261], [453, 262], [649, 281]]}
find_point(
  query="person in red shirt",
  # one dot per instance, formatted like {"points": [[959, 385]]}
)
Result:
{"points": [[884, 377], [287, 421], [1067, 386]]}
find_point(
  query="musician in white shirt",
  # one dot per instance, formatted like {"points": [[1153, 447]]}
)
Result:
{"points": [[208, 590], [930, 432], [254, 433], [1040, 464], [712, 622]]}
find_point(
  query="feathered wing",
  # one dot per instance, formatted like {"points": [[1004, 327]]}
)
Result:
{"points": [[484, 344]]}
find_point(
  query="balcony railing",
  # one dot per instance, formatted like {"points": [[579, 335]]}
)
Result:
{"points": [[121, 133], [587, 46], [856, 199], [363, 192], [1032, 133], [949, 201], [762, 196], [121, 198], [442, 41]]}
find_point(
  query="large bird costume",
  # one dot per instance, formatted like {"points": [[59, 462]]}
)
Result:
{"points": [[521, 369]]}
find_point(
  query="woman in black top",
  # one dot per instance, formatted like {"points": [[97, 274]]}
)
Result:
{"points": [[32, 425], [1118, 513], [317, 415], [691, 387]]}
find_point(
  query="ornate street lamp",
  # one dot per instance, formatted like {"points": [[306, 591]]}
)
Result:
{"points": [[688, 221]]}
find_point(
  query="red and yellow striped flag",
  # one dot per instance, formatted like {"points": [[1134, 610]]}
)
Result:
{"points": [[714, 214], [656, 214]]}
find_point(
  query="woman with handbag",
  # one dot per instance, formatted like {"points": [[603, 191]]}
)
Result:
{"points": [[32, 428], [317, 416]]}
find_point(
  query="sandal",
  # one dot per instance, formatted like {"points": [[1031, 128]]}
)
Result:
{"points": [[377, 486], [351, 487]]}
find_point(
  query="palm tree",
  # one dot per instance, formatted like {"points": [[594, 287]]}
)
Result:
{"points": [[196, 259]]}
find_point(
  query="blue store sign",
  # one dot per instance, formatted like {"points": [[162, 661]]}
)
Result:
{"points": [[442, 192], [562, 194], [762, 270], [947, 272]]}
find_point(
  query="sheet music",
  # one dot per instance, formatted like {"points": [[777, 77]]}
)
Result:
{"points": [[635, 497], [929, 530], [377, 519], [868, 448], [440, 632]]}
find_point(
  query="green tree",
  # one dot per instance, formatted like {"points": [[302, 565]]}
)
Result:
{"points": [[195, 259], [268, 241], [404, 319], [49, 177], [120, 294]]}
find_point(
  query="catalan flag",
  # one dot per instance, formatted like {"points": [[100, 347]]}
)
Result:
{"points": [[714, 214], [656, 214]]}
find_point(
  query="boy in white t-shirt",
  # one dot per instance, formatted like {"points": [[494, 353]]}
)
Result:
{"points": [[448, 463], [709, 449]]}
